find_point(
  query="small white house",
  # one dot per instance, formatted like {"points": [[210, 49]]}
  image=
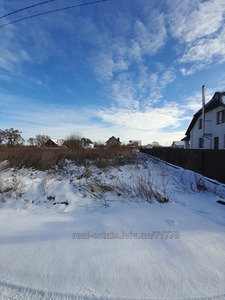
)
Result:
{"points": [[207, 128], [54, 143], [86, 143]]}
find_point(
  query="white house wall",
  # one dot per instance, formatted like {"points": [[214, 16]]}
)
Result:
{"points": [[195, 135], [211, 127]]}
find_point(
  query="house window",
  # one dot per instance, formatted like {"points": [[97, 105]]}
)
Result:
{"points": [[221, 116], [201, 143], [200, 124]]}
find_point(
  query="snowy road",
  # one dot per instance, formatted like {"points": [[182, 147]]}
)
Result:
{"points": [[11, 292]]}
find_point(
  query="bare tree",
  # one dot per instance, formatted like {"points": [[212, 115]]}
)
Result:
{"points": [[2, 136], [73, 141], [41, 139], [31, 141], [99, 144], [13, 137]]}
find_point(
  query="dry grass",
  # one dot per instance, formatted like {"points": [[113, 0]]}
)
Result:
{"points": [[137, 187], [47, 158], [140, 184]]}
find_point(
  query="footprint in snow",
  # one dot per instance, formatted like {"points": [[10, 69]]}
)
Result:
{"points": [[171, 222]]}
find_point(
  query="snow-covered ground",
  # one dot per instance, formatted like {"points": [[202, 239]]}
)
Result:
{"points": [[109, 242]]}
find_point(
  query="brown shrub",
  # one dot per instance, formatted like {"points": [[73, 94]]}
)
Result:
{"points": [[46, 158]]}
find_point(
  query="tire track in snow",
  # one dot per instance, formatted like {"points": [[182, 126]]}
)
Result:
{"points": [[10, 291]]}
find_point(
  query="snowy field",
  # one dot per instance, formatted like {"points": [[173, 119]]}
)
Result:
{"points": [[86, 233]]}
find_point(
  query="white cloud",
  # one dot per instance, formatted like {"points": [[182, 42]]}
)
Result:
{"points": [[169, 115], [129, 46], [121, 53], [134, 51], [167, 77], [151, 36], [194, 101], [158, 82], [103, 66], [206, 50], [199, 26], [123, 92], [33, 117], [178, 16], [12, 53], [193, 20], [197, 66], [24, 45]]}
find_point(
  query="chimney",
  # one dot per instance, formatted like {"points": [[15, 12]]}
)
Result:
{"points": [[203, 111]]}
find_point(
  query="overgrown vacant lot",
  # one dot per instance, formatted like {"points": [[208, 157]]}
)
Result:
{"points": [[119, 226], [47, 158]]}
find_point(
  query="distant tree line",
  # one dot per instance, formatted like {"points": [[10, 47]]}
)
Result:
{"points": [[38, 141], [11, 137]]}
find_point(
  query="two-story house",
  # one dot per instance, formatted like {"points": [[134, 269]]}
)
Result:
{"points": [[113, 142], [86, 143], [207, 128]]}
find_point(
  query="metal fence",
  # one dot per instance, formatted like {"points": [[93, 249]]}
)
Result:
{"points": [[210, 163]]}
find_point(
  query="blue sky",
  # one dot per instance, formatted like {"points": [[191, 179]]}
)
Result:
{"points": [[128, 68]]}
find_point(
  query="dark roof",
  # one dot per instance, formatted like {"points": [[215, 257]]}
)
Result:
{"points": [[178, 143], [55, 142], [185, 139], [114, 140], [87, 140], [217, 100]]}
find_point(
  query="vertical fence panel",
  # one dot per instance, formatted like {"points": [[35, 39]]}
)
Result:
{"points": [[210, 163]]}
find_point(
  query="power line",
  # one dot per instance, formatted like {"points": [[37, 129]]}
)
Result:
{"points": [[25, 8], [52, 11]]}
